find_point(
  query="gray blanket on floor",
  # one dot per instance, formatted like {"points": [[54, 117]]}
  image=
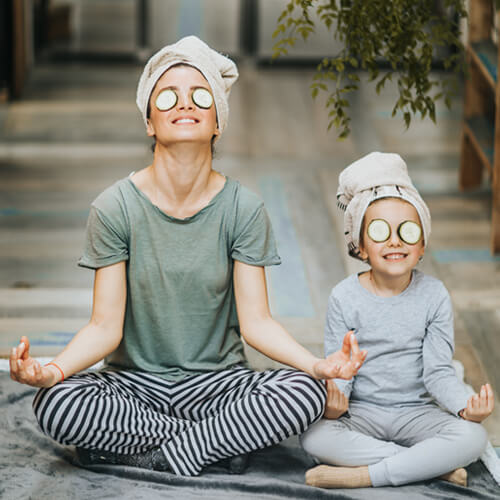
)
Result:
{"points": [[32, 466]]}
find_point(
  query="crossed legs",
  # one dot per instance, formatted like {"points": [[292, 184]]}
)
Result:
{"points": [[195, 422], [393, 446]]}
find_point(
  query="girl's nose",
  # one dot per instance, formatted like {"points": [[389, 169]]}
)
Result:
{"points": [[394, 239]]}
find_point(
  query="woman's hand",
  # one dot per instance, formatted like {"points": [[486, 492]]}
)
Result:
{"points": [[336, 401], [479, 406], [263, 333], [344, 363], [27, 370]]}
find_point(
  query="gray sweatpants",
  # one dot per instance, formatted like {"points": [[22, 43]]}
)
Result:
{"points": [[399, 445]]}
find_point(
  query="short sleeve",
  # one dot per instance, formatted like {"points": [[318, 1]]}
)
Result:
{"points": [[106, 241], [253, 241]]}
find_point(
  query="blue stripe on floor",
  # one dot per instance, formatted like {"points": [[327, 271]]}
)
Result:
{"points": [[464, 255], [498, 451], [41, 339], [289, 287], [190, 16]]}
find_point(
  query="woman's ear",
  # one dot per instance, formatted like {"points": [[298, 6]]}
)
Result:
{"points": [[150, 129]]}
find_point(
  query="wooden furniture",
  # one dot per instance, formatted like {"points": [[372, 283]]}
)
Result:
{"points": [[480, 151]]}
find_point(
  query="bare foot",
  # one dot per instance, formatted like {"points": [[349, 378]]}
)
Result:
{"points": [[327, 476], [457, 476]]}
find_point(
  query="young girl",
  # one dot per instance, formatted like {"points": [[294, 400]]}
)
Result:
{"points": [[405, 417]]}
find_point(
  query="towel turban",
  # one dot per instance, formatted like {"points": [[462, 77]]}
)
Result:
{"points": [[219, 71], [376, 176]]}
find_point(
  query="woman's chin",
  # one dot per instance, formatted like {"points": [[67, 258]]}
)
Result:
{"points": [[185, 139]]}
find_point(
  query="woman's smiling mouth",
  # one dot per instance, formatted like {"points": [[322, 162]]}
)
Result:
{"points": [[183, 121]]}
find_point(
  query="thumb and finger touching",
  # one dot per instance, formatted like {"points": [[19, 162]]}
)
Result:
{"points": [[26, 348]]}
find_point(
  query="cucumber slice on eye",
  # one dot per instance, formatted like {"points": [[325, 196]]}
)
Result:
{"points": [[166, 100], [410, 232], [202, 98], [379, 230]]}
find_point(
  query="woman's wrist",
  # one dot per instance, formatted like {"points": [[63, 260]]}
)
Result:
{"points": [[314, 371], [306, 362], [57, 373]]}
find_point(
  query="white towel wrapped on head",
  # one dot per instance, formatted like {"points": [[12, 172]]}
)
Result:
{"points": [[376, 176], [219, 71]]}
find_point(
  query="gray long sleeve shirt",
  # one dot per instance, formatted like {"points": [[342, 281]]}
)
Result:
{"points": [[409, 339]]}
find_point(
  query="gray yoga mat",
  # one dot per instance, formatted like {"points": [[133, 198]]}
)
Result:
{"points": [[32, 466]]}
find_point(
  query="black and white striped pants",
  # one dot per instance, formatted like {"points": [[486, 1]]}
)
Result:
{"points": [[197, 421]]}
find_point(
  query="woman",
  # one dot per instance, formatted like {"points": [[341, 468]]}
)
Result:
{"points": [[179, 252]]}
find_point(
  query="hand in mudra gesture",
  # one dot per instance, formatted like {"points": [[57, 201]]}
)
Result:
{"points": [[344, 363], [479, 406], [27, 370]]}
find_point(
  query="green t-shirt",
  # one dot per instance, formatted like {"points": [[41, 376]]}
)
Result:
{"points": [[180, 317]]}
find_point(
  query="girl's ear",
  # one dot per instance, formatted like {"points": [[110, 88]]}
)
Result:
{"points": [[363, 254], [362, 251], [421, 251]]}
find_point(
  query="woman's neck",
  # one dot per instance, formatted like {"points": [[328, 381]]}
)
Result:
{"points": [[181, 170], [384, 285], [180, 181]]}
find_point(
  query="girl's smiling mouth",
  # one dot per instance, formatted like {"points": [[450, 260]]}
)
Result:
{"points": [[395, 256]]}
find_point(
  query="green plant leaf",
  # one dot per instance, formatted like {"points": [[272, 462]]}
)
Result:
{"points": [[405, 34]]}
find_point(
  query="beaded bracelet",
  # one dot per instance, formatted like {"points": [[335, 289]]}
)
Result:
{"points": [[58, 367]]}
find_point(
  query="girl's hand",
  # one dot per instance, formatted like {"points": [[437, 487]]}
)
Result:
{"points": [[27, 370], [336, 402], [479, 406], [341, 364]]}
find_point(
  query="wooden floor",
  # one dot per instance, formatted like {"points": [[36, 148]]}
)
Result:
{"points": [[77, 131]]}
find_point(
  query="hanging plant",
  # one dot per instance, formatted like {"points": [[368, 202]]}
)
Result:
{"points": [[405, 34]]}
